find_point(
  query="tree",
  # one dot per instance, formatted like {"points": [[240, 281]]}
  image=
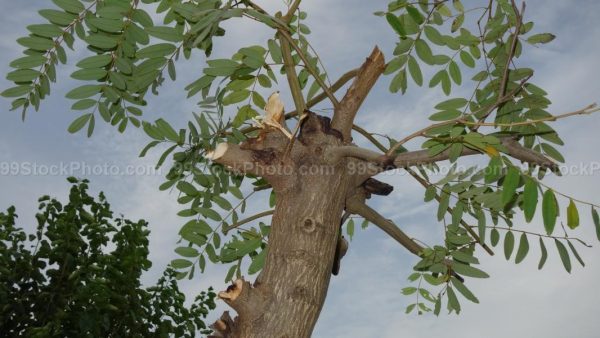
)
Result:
{"points": [[81, 276], [318, 178]]}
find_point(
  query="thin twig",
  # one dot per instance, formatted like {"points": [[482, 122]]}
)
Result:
{"points": [[248, 220]]}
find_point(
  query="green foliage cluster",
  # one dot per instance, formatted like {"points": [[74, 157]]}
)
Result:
{"points": [[79, 275], [489, 38]]}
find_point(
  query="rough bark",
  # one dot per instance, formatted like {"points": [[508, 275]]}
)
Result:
{"points": [[287, 296]]}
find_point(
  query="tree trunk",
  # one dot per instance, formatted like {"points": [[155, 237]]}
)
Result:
{"points": [[287, 297], [312, 188]]}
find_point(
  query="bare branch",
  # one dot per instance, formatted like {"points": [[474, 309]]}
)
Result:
{"points": [[240, 160], [290, 72], [592, 108], [368, 74], [247, 220], [412, 158], [513, 147], [286, 36], [336, 154], [358, 207], [293, 8]]}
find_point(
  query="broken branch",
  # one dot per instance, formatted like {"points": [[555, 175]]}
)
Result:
{"points": [[368, 74]]}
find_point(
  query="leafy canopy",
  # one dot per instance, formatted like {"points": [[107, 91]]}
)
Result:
{"points": [[79, 275]]}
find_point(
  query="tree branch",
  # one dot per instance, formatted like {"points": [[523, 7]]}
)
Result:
{"points": [[290, 72], [408, 159], [247, 220], [360, 208], [293, 8], [246, 161], [368, 74], [511, 53], [513, 149]]}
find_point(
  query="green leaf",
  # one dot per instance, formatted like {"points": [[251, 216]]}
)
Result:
{"points": [[443, 204], [235, 97], [58, 17], [467, 59], [399, 82], [187, 251], [549, 211], [84, 92], [430, 193], [424, 52], [540, 38], [530, 199], [415, 71], [350, 228], [209, 213], [469, 271], [575, 253], [523, 249], [258, 262], [187, 188], [445, 115], [165, 33], [148, 147], [415, 14], [275, 51], [222, 202], [154, 51], [29, 61], [84, 104], [393, 20], [494, 237], [572, 215], [544, 256], [552, 152], [22, 75], [88, 74], [95, 61], [455, 103], [79, 123], [596, 222], [168, 131], [45, 30], [180, 263], [16, 91], [101, 41], [564, 255], [72, 6], [457, 23], [453, 303], [509, 244], [107, 25], [458, 285], [511, 182], [36, 43], [455, 74]]}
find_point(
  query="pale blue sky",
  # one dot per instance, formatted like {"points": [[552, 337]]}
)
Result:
{"points": [[365, 300]]}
